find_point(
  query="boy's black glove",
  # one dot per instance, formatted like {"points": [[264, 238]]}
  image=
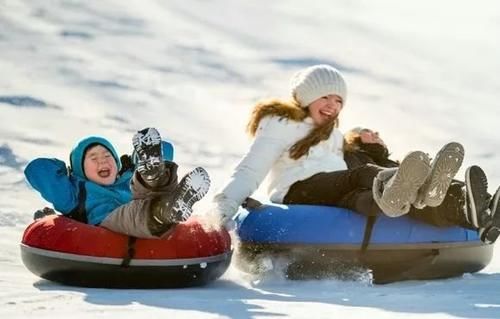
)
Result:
{"points": [[127, 163], [46, 211]]}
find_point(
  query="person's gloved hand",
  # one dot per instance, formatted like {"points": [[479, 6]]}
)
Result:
{"points": [[251, 203], [224, 209]]}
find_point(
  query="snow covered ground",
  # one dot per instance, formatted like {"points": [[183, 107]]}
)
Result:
{"points": [[422, 73]]}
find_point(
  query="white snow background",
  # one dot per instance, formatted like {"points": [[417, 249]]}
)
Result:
{"points": [[422, 73]]}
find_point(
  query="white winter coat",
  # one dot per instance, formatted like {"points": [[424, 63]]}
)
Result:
{"points": [[269, 155]]}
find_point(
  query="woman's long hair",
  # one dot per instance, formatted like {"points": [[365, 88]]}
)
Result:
{"points": [[293, 111], [316, 135]]}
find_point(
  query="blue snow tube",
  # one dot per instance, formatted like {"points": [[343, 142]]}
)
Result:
{"points": [[320, 240]]}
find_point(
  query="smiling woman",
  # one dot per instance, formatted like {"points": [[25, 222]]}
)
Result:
{"points": [[325, 108], [298, 145]]}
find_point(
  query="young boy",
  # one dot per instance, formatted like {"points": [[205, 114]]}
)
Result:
{"points": [[144, 203]]}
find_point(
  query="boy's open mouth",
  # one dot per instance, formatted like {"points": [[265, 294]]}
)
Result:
{"points": [[104, 173]]}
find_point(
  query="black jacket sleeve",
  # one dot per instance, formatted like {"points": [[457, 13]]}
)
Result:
{"points": [[376, 154]]}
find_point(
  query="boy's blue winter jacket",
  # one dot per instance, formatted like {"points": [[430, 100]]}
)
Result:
{"points": [[50, 177]]}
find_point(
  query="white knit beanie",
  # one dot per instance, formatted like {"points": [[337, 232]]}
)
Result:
{"points": [[317, 81]]}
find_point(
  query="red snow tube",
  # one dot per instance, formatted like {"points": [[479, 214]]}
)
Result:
{"points": [[63, 250]]}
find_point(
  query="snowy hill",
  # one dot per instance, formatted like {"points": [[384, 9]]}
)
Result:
{"points": [[421, 73]]}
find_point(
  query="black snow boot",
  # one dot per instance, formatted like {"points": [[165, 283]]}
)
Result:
{"points": [[490, 234], [476, 197], [178, 207], [148, 147]]}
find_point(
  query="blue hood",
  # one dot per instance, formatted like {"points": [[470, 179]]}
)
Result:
{"points": [[78, 152]]}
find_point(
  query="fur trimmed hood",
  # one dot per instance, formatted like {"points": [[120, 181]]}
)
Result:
{"points": [[275, 107]]}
